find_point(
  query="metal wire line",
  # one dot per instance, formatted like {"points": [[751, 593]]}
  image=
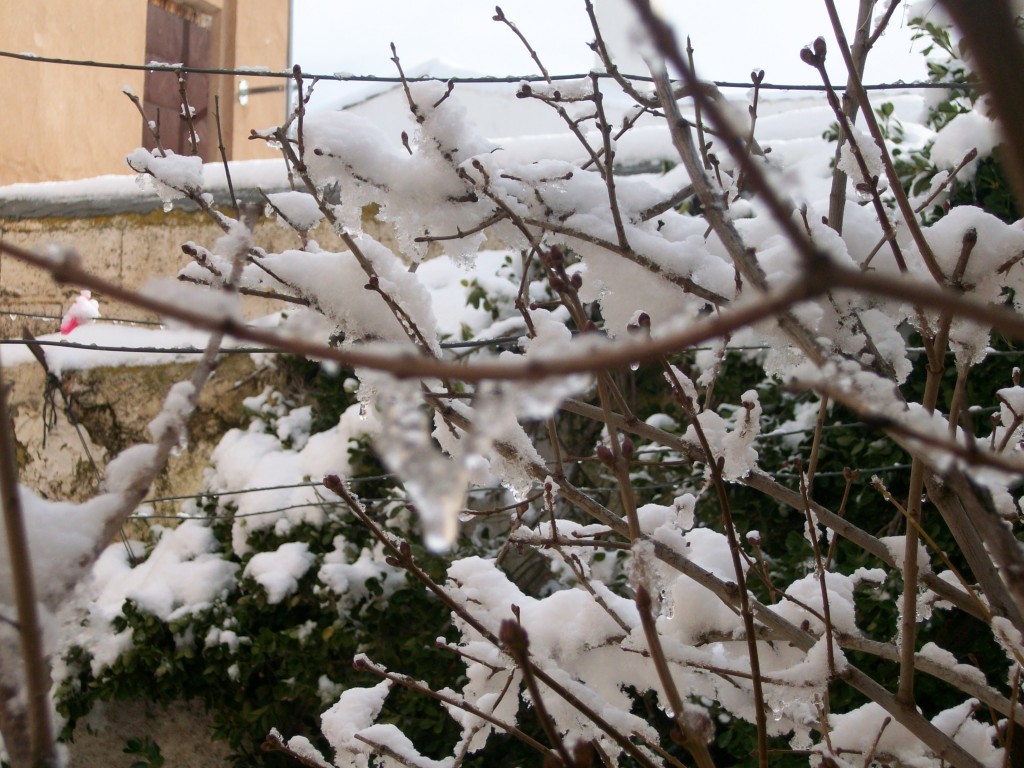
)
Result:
{"points": [[224, 351], [346, 77], [285, 487], [348, 481], [37, 316]]}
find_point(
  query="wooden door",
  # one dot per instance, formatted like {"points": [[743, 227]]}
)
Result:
{"points": [[176, 34]]}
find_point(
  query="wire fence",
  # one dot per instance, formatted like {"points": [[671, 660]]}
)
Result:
{"points": [[346, 77]]}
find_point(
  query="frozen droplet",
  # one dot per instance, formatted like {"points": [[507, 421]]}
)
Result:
{"points": [[634, 366], [438, 543], [168, 206], [667, 605], [439, 519], [439, 495], [776, 713]]}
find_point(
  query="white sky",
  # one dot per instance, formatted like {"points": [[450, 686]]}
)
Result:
{"points": [[730, 37]]}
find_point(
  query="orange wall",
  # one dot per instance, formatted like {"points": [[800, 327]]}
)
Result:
{"points": [[259, 41], [60, 122]]}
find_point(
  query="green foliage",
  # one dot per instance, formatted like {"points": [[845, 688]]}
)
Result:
{"points": [[148, 752], [257, 665], [990, 189]]}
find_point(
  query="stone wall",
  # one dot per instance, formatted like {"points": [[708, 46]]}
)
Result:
{"points": [[127, 248]]}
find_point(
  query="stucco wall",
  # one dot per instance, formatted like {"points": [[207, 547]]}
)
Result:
{"points": [[258, 41], [60, 122]]}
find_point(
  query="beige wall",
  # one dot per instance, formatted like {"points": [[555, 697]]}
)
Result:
{"points": [[259, 41], [129, 249], [61, 122]]}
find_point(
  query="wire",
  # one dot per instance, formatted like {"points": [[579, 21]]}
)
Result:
{"points": [[480, 343], [231, 515], [218, 494], [227, 350], [35, 316], [345, 77], [141, 350], [871, 470]]}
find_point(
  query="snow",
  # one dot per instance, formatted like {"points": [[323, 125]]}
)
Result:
{"points": [[278, 572], [61, 538], [870, 154], [172, 176], [971, 130], [298, 208], [355, 710], [253, 458], [183, 574], [132, 347]]}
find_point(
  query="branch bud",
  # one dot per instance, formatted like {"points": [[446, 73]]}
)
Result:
{"points": [[513, 637], [628, 449], [807, 57]]}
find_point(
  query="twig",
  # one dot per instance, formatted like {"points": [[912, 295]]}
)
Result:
{"points": [[224, 158], [968, 158], [757, 77], [362, 664], [500, 16], [274, 743], [812, 463], [516, 644], [187, 114], [815, 57], [39, 749], [714, 464], [819, 566], [609, 162], [861, 45], [697, 119], [413, 106], [692, 742], [923, 247]]}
